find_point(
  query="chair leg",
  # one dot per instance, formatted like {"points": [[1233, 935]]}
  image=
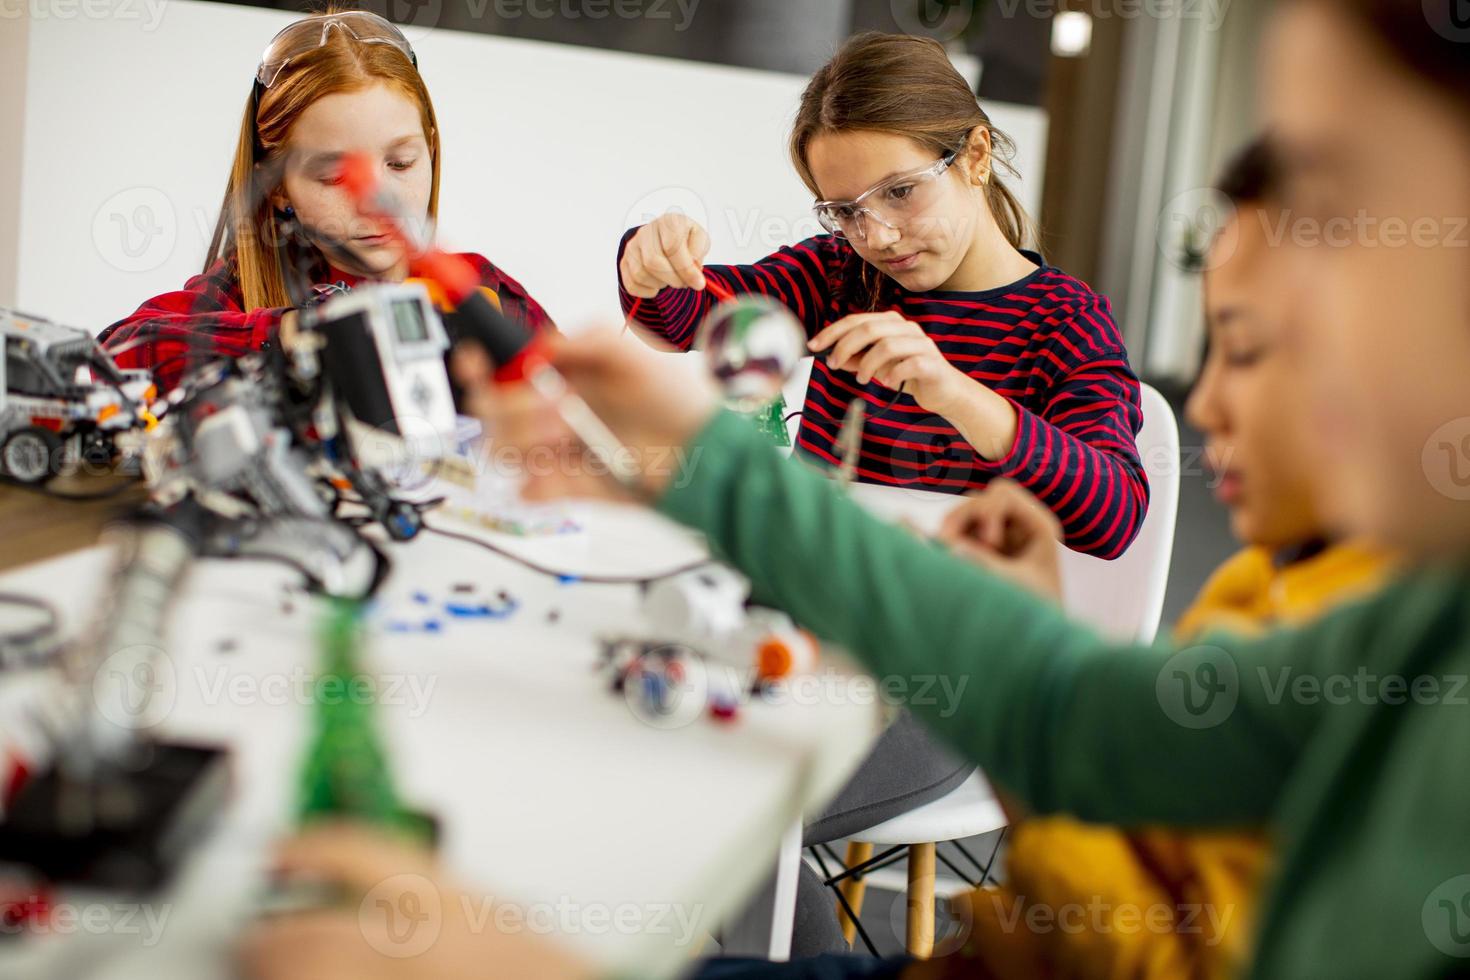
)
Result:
{"points": [[920, 938], [853, 889]]}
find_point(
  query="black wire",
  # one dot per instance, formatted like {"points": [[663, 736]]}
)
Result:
{"points": [[44, 489], [553, 573], [50, 626], [382, 565], [897, 394], [313, 584]]}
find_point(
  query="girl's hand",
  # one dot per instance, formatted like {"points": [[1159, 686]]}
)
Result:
{"points": [[653, 408], [1007, 530], [895, 351], [668, 251], [399, 920]]}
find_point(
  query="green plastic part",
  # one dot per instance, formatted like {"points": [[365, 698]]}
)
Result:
{"points": [[346, 773]]}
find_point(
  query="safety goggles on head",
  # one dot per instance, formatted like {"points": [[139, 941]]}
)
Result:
{"points": [[296, 39], [891, 203]]}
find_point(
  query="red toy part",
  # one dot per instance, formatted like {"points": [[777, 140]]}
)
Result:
{"points": [[17, 776], [22, 904], [456, 276]]}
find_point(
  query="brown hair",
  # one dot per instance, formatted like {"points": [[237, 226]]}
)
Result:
{"points": [[248, 230], [1423, 39], [906, 85]]}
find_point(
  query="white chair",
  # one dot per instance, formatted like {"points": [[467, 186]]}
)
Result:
{"points": [[1123, 599]]}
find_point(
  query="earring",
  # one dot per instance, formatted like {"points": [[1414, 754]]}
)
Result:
{"points": [[290, 211]]}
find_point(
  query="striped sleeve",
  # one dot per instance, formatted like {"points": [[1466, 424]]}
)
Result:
{"points": [[171, 333], [1078, 454], [798, 276]]}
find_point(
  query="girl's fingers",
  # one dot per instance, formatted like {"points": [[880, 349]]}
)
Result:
{"points": [[698, 242], [634, 280], [850, 348], [834, 332], [631, 268], [846, 351], [912, 368], [888, 353], [682, 264], [656, 267]]}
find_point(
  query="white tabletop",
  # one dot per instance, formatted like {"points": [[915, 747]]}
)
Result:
{"points": [[550, 789]]}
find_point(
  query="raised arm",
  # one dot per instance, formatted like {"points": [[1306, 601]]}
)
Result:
{"points": [[1066, 720], [654, 257]]}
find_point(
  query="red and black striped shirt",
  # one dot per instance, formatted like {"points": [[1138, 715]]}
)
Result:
{"points": [[1048, 343], [207, 319]]}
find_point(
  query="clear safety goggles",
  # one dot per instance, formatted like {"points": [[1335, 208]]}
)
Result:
{"points": [[890, 203], [297, 39]]}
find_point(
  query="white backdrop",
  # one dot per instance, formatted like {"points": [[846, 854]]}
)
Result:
{"points": [[550, 152]]}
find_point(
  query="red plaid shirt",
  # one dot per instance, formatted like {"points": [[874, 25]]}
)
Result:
{"points": [[207, 319]]}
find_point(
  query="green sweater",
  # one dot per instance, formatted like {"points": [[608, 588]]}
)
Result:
{"points": [[1349, 739]]}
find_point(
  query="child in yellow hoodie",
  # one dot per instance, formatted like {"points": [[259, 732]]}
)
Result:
{"points": [[1090, 901]]}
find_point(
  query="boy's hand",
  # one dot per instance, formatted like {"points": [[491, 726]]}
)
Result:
{"points": [[1007, 530]]}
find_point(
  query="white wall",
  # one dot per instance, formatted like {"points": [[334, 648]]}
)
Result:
{"points": [[550, 151]]}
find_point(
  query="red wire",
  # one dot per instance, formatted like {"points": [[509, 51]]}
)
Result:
{"points": [[720, 292]]}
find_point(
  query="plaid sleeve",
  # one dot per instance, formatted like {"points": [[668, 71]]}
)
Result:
{"points": [[515, 302], [205, 320]]}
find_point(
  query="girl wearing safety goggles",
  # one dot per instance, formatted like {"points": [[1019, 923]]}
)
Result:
{"points": [[976, 359], [327, 85]]}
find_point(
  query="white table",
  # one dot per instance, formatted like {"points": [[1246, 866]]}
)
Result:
{"points": [[550, 790]]}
